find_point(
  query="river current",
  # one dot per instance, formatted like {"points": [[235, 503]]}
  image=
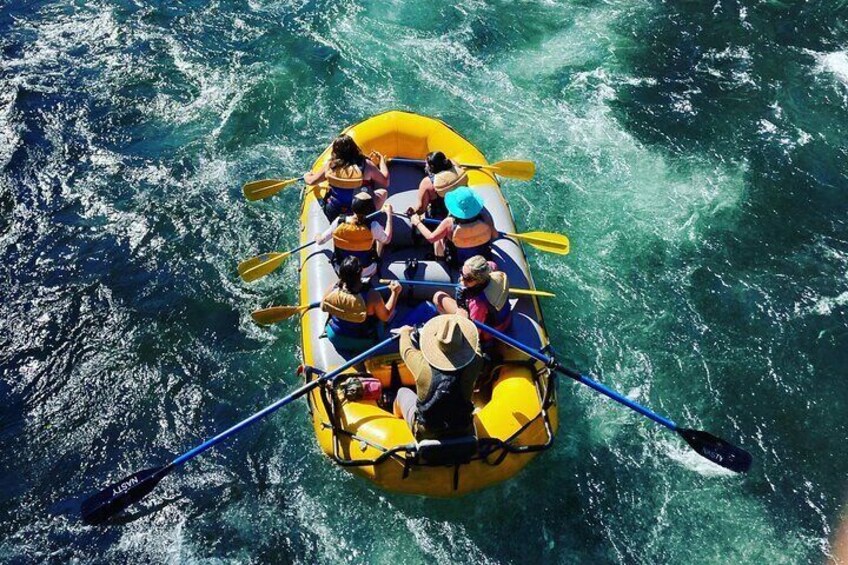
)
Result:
{"points": [[695, 152]]}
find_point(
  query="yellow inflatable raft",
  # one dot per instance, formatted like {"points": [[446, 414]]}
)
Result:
{"points": [[515, 418]]}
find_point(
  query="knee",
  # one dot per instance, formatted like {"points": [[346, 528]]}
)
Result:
{"points": [[439, 298]]}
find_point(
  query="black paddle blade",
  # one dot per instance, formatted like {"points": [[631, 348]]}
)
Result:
{"points": [[717, 450], [118, 496]]}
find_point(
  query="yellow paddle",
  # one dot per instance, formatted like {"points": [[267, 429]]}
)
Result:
{"points": [[516, 291], [261, 265], [521, 170], [544, 241], [259, 189], [276, 314]]}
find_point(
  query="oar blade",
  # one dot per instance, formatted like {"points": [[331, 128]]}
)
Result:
{"points": [[275, 314], [265, 265], [519, 170], [122, 494], [531, 292], [556, 243], [717, 450], [259, 189], [248, 264]]}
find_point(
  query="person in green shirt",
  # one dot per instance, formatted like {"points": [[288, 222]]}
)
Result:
{"points": [[445, 368]]}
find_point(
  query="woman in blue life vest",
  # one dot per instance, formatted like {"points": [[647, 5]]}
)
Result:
{"points": [[482, 295], [442, 177], [468, 228], [356, 236], [356, 310], [348, 172]]}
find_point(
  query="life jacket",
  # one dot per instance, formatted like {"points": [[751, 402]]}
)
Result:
{"points": [[349, 313], [445, 411], [353, 239], [345, 182], [471, 237], [494, 298]]}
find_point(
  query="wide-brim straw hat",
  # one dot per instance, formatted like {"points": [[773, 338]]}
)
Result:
{"points": [[449, 342], [463, 203], [446, 181]]}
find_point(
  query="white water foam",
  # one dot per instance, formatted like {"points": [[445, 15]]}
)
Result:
{"points": [[834, 63]]}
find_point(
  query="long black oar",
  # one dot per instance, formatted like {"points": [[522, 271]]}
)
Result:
{"points": [[707, 445], [127, 491]]}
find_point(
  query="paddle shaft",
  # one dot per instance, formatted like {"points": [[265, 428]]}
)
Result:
{"points": [[208, 444], [435, 222], [572, 374], [421, 162]]}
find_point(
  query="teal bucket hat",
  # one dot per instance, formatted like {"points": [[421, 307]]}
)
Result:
{"points": [[463, 203]]}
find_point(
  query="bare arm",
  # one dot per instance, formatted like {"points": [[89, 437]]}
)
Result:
{"points": [[380, 176], [440, 233], [323, 238], [387, 208], [425, 195], [384, 310], [315, 178]]}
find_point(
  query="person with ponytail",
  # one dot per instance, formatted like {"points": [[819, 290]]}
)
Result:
{"points": [[442, 176], [356, 310], [349, 172]]}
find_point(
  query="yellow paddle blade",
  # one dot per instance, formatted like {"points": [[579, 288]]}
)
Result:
{"points": [[257, 267], [531, 292], [276, 314], [521, 170], [545, 241], [259, 189]]}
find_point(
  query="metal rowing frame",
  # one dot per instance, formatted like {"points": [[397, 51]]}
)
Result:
{"points": [[485, 446]]}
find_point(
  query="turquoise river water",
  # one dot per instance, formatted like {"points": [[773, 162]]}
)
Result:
{"points": [[695, 152]]}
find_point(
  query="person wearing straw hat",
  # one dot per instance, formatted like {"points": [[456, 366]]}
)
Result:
{"points": [[445, 368], [443, 175], [482, 295], [468, 227]]}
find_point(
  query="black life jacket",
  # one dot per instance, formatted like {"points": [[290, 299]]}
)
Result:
{"points": [[445, 410]]}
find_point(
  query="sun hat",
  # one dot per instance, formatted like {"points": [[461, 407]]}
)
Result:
{"points": [[463, 203], [446, 181], [449, 342]]}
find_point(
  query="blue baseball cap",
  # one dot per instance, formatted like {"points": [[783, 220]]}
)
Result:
{"points": [[463, 203]]}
